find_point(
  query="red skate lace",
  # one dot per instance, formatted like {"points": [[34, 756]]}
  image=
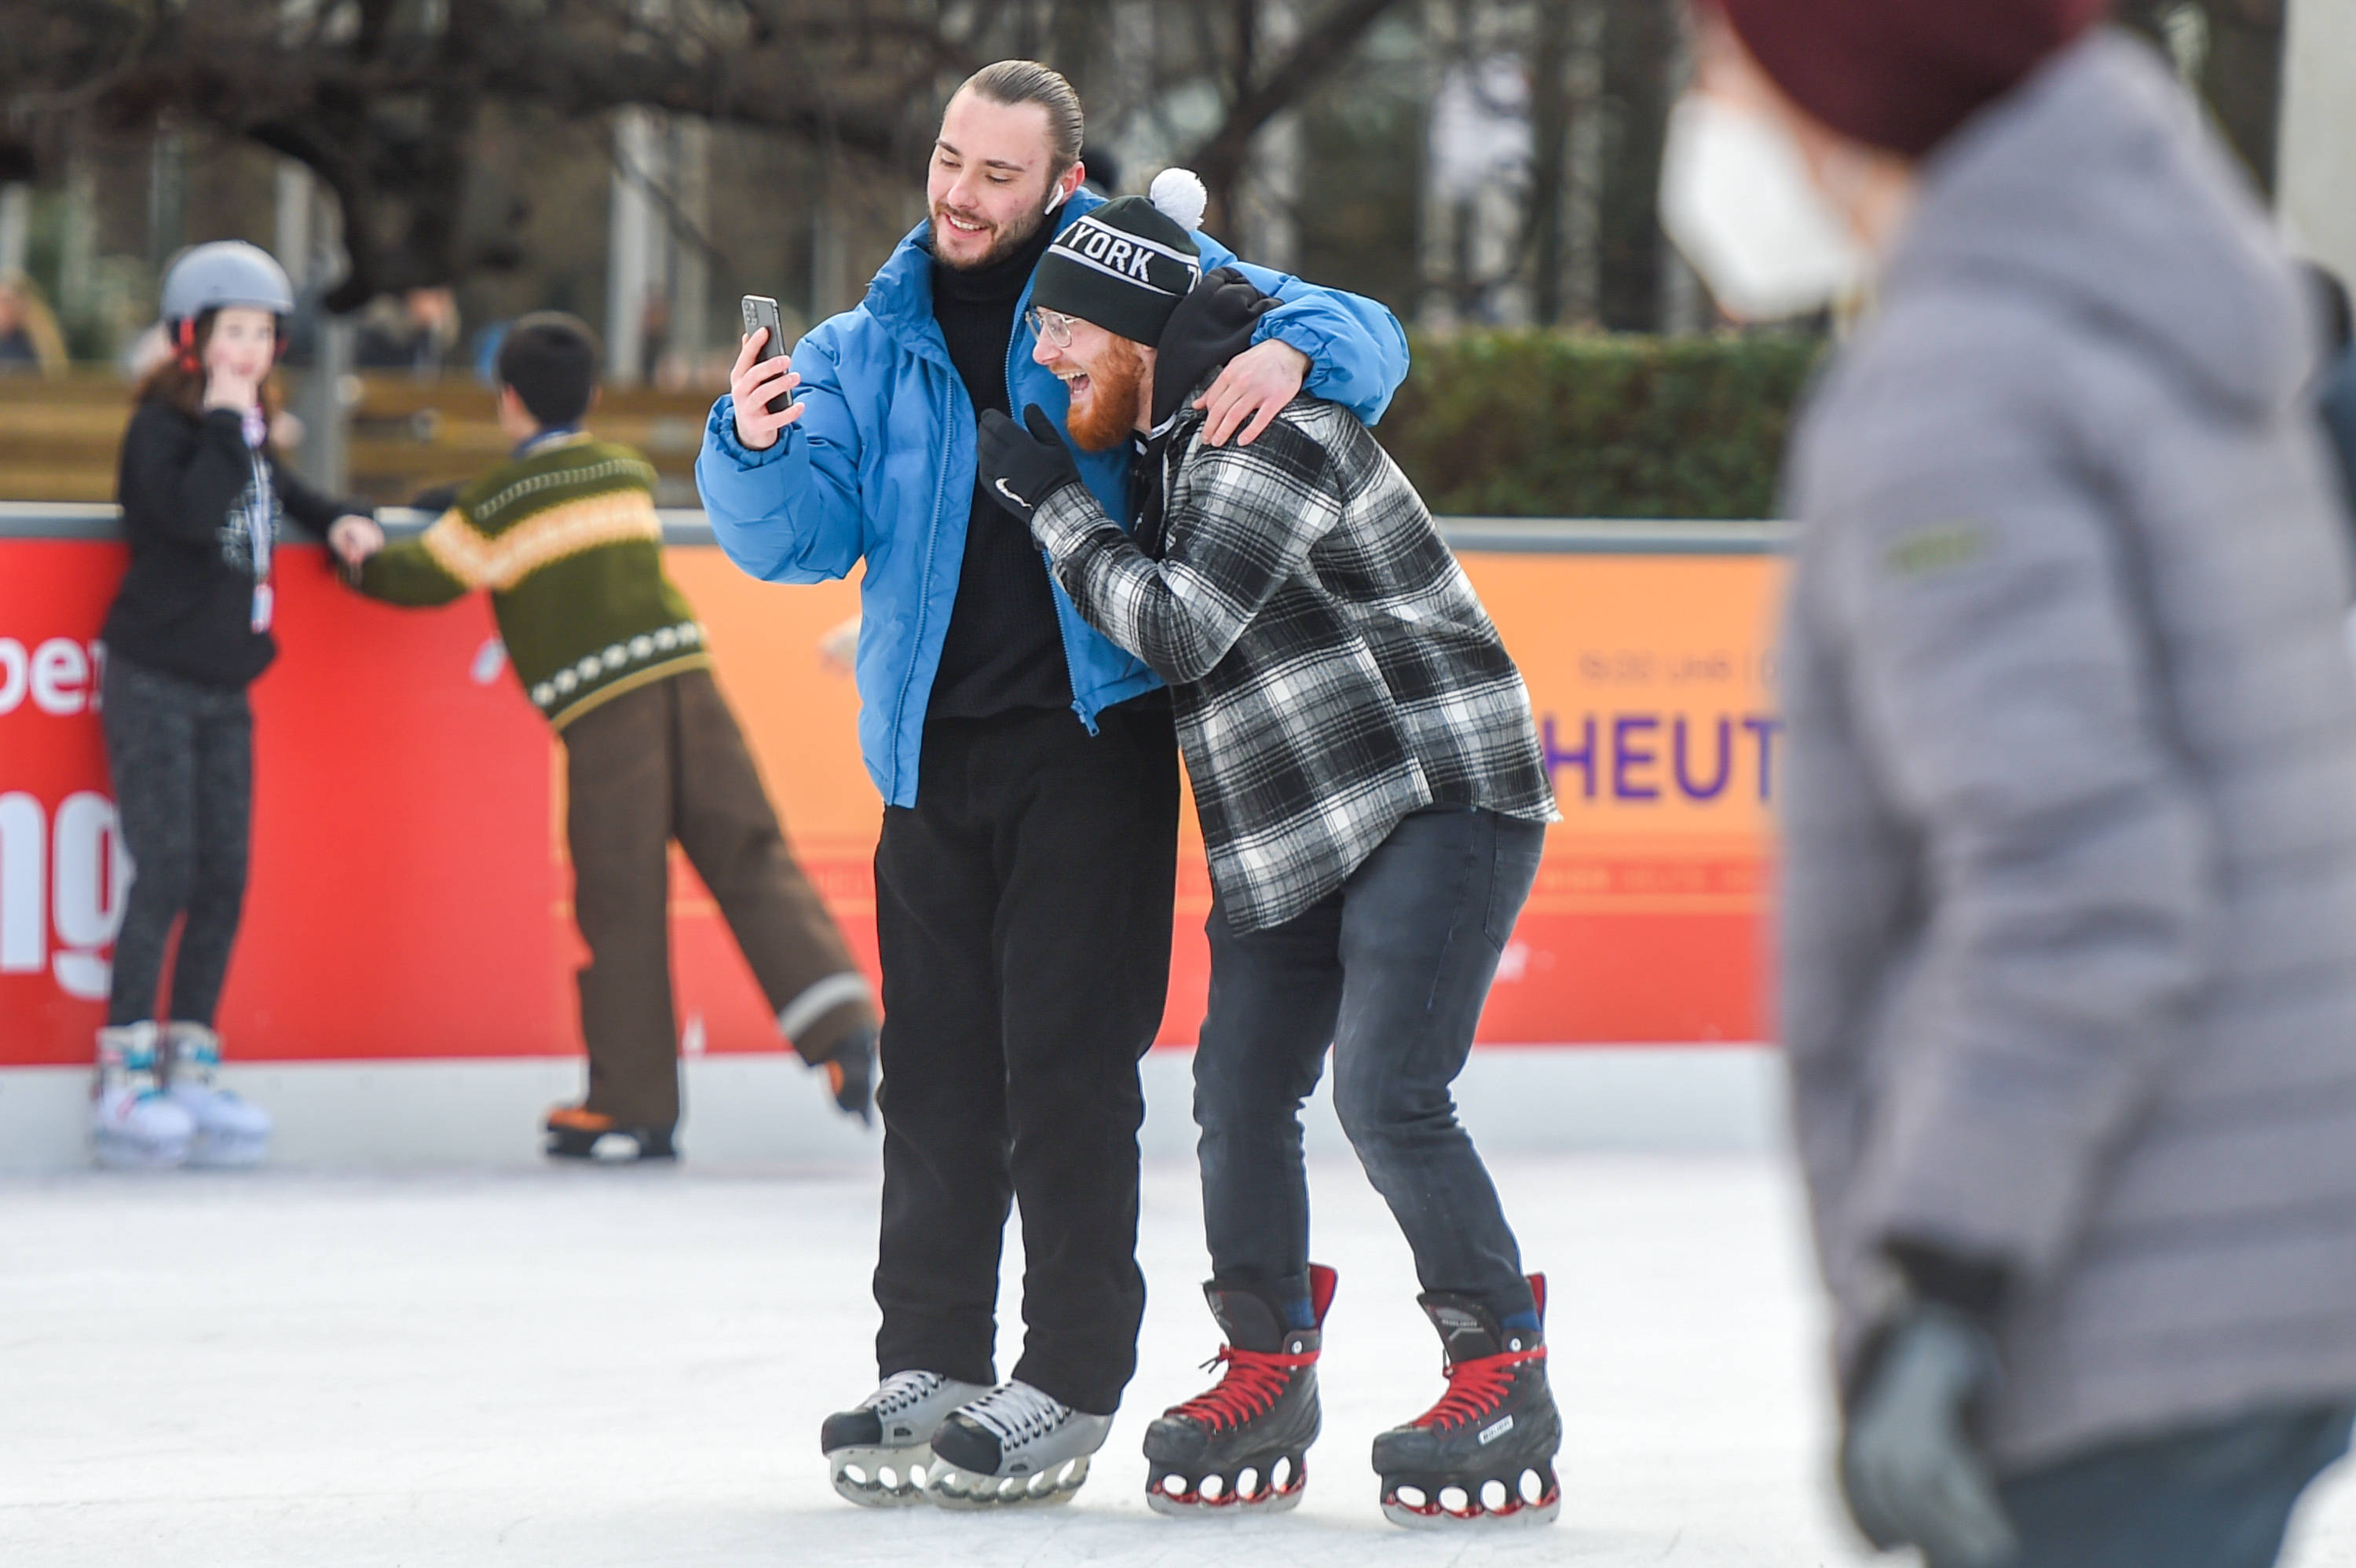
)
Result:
{"points": [[1474, 1387], [1254, 1379]]}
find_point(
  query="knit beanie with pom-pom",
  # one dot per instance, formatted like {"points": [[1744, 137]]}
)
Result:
{"points": [[1126, 265]]}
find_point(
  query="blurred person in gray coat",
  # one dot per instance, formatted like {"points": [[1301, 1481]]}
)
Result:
{"points": [[2069, 905]]}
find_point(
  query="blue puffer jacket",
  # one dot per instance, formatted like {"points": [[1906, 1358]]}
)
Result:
{"points": [[880, 467]]}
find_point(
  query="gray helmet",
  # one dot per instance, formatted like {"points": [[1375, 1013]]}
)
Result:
{"points": [[225, 272]]}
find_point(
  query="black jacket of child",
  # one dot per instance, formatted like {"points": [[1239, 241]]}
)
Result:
{"points": [[186, 484]]}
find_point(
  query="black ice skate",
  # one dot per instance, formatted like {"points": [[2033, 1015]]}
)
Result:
{"points": [[1242, 1445], [879, 1451], [575, 1132], [1484, 1453]]}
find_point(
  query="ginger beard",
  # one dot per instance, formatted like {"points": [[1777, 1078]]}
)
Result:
{"points": [[1104, 391]]}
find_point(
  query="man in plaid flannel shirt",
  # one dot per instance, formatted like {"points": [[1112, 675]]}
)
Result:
{"points": [[1373, 798]]}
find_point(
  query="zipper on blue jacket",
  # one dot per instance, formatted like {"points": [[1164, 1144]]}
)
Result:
{"points": [[1063, 621], [924, 591], [1064, 631]]}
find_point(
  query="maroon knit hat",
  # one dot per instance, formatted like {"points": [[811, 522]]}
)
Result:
{"points": [[1901, 74]]}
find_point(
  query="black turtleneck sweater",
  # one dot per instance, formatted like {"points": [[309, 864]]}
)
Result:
{"points": [[1004, 650]]}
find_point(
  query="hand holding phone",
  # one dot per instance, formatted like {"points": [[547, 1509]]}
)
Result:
{"points": [[763, 379]]}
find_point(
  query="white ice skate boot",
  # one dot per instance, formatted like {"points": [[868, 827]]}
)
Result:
{"points": [[1011, 1446], [132, 1126], [231, 1131], [880, 1450]]}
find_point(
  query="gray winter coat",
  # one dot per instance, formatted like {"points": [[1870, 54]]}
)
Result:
{"points": [[2068, 934]]}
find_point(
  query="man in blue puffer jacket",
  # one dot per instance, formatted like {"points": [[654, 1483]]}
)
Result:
{"points": [[1027, 869]]}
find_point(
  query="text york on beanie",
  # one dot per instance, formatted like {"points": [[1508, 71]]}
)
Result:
{"points": [[1126, 256]]}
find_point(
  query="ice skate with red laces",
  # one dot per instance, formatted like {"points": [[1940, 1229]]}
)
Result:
{"points": [[1484, 1453], [1242, 1445]]}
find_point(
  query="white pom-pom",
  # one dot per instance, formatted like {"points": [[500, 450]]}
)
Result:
{"points": [[1179, 196]]}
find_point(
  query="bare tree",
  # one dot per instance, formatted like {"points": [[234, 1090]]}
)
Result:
{"points": [[1640, 42], [382, 98], [2232, 51], [1551, 116], [1258, 89]]}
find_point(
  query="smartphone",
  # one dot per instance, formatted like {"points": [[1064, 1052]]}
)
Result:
{"points": [[761, 311]]}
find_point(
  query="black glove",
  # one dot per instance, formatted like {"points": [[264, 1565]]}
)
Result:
{"points": [[1021, 467], [851, 1077], [1908, 1467]]}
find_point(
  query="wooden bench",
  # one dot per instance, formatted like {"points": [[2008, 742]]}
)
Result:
{"points": [[60, 437]]}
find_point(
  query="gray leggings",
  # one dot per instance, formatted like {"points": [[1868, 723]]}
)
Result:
{"points": [[182, 759]]}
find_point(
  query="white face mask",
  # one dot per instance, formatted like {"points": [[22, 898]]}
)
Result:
{"points": [[1736, 200]]}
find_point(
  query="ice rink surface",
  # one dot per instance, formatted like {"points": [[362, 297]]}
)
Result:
{"points": [[576, 1367]]}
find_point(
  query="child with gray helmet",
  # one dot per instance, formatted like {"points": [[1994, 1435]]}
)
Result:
{"points": [[202, 492]]}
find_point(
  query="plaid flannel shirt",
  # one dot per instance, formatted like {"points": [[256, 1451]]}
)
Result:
{"points": [[1332, 667]]}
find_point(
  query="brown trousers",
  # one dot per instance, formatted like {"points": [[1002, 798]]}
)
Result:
{"points": [[666, 762]]}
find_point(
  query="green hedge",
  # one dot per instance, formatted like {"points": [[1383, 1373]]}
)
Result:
{"points": [[1554, 425]]}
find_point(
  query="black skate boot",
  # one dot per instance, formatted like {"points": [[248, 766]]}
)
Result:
{"points": [[1486, 1453], [851, 1077], [575, 1132], [1242, 1445]]}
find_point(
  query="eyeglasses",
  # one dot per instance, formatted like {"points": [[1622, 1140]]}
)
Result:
{"points": [[1053, 326]]}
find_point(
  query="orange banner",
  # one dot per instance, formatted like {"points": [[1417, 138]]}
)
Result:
{"points": [[411, 896]]}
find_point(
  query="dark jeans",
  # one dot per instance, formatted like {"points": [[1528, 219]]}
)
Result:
{"points": [[666, 762], [1023, 906], [1391, 971], [181, 757], [2216, 1497]]}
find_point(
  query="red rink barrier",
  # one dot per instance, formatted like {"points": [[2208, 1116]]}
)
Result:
{"points": [[411, 891]]}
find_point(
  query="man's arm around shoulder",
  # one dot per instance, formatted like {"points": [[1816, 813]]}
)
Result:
{"points": [[1356, 350]]}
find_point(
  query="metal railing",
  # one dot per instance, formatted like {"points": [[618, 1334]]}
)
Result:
{"points": [[1530, 536]]}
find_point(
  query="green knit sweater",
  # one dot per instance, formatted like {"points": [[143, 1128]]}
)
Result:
{"points": [[567, 541]]}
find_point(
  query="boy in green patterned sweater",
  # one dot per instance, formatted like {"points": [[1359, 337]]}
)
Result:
{"points": [[565, 537]]}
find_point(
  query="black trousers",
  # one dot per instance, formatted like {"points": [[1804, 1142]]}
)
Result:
{"points": [[181, 757], [1022, 907]]}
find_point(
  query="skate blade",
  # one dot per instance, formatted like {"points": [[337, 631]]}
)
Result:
{"points": [[951, 1487], [612, 1147], [121, 1154], [1266, 1493], [1169, 1507], [881, 1477], [1486, 1505]]}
